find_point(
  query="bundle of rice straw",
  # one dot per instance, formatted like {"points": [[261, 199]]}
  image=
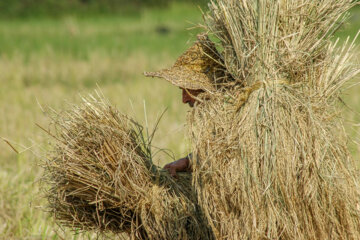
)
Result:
{"points": [[270, 153], [270, 156], [101, 177]]}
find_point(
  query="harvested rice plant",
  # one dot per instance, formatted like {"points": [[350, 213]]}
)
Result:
{"points": [[47, 60], [270, 154], [103, 179], [272, 158]]}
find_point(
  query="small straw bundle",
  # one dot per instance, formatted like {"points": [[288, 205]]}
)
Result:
{"points": [[271, 158], [101, 177]]}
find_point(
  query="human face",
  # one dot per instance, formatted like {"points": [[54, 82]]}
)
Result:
{"points": [[188, 96]]}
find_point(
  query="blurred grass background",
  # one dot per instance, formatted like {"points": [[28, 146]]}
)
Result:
{"points": [[53, 51]]}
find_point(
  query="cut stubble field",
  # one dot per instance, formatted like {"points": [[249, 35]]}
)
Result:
{"points": [[50, 62]]}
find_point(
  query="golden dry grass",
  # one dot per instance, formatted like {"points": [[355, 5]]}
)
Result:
{"points": [[101, 176], [24, 82], [272, 160]]}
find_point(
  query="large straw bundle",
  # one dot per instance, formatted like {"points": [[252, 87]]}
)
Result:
{"points": [[271, 160], [102, 178]]}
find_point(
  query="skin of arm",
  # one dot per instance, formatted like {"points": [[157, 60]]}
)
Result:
{"points": [[181, 165]]}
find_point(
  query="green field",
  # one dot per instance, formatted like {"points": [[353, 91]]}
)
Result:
{"points": [[51, 62]]}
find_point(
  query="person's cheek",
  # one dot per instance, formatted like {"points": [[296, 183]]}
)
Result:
{"points": [[184, 98]]}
